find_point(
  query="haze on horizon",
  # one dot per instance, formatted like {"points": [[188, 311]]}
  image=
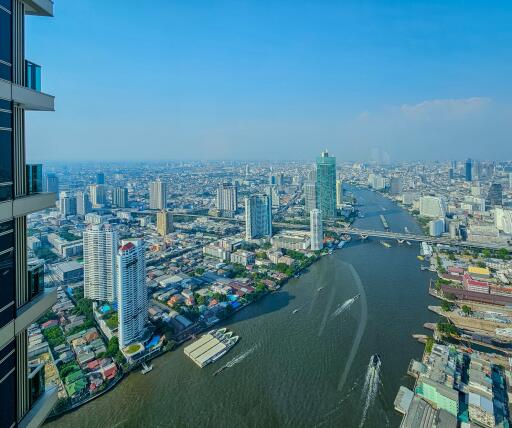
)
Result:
{"points": [[273, 80]]}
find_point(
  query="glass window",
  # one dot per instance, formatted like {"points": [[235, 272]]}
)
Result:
{"points": [[8, 359], [5, 156], [5, 105], [5, 36], [6, 241], [5, 192], [7, 4], [6, 226], [6, 287], [5, 71], [5, 119]]}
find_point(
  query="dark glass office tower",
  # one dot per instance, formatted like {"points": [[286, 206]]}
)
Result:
{"points": [[23, 298], [469, 167], [495, 195], [326, 185]]}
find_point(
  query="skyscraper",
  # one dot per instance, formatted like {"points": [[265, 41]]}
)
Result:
{"points": [[495, 195], [67, 204], [51, 184], [120, 197], [100, 178], [83, 203], [326, 185], [339, 193], [132, 294], [98, 195], [23, 297], [468, 170], [258, 216], [101, 242], [316, 230], [164, 223], [227, 197], [310, 199], [157, 195], [271, 190]]}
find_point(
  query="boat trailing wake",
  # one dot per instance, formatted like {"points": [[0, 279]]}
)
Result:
{"points": [[343, 307], [236, 360], [371, 386]]}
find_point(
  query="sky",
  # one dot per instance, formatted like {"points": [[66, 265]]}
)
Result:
{"points": [[272, 80]]}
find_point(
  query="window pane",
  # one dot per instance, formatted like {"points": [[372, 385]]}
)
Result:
{"points": [[6, 241], [5, 36], [5, 120], [5, 156], [5, 71], [6, 4], [5, 192], [7, 287]]}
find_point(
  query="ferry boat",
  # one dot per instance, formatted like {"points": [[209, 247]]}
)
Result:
{"points": [[341, 244], [346, 237], [375, 360]]}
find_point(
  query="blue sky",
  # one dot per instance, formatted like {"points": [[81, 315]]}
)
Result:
{"points": [[273, 79]]}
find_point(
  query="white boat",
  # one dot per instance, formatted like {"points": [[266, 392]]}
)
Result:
{"points": [[295, 311], [319, 288], [146, 368]]}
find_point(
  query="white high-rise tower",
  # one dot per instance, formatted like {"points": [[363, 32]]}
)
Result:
{"points": [[316, 230], [157, 195], [132, 294], [100, 248]]}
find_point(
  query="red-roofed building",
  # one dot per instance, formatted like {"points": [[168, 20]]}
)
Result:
{"points": [[49, 323], [454, 270], [110, 371], [127, 246], [93, 365], [471, 284]]}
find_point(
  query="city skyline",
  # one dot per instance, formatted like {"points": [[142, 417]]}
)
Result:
{"points": [[422, 81]]}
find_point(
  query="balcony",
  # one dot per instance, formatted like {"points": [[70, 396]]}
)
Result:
{"points": [[35, 308], [32, 76], [42, 400], [39, 7], [34, 173]]}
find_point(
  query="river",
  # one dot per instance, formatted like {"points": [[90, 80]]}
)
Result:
{"points": [[298, 370]]}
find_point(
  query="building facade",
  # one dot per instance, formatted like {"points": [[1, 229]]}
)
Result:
{"points": [[23, 297], [227, 197], [164, 223], [339, 193], [132, 293], [157, 195], [83, 203], [120, 197], [316, 230], [310, 197], [98, 195], [258, 217], [101, 242], [51, 184], [432, 207], [67, 204], [326, 185]]}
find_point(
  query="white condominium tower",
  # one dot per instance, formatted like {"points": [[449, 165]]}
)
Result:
{"points": [[101, 242], [339, 193], [227, 195], [157, 195], [316, 230], [258, 216], [132, 295], [98, 195]]}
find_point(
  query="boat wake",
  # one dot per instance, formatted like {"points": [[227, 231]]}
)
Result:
{"points": [[236, 360], [360, 329], [343, 307], [371, 386]]}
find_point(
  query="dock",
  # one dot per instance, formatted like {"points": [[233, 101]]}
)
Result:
{"points": [[210, 347]]}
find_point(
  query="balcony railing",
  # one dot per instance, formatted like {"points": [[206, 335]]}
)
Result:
{"points": [[32, 76], [36, 380], [34, 178], [35, 277]]}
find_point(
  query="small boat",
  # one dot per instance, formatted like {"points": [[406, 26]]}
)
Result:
{"points": [[375, 360], [408, 243], [385, 244], [421, 258], [319, 288], [146, 368], [295, 311]]}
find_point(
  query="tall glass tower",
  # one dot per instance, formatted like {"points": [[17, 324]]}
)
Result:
{"points": [[326, 185]]}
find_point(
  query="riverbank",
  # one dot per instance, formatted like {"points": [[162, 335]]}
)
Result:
{"points": [[290, 355]]}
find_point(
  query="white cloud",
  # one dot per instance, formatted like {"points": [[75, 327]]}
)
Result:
{"points": [[450, 108]]}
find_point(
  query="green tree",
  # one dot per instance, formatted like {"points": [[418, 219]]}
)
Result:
{"points": [[446, 306], [429, 344], [113, 346], [467, 310], [486, 253]]}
